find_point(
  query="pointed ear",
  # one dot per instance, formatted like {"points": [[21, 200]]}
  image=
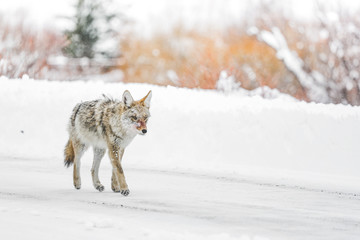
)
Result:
{"points": [[146, 100], [127, 98]]}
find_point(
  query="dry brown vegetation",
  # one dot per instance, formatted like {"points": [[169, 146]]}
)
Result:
{"points": [[24, 50], [194, 59], [197, 60], [327, 48]]}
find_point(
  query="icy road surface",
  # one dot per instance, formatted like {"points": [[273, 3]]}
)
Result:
{"points": [[38, 201]]}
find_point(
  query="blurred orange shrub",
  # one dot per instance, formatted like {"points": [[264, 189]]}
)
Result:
{"points": [[194, 59]]}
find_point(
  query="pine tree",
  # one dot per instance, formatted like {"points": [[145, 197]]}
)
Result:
{"points": [[91, 21]]}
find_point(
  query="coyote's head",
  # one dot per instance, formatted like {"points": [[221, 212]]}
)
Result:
{"points": [[136, 113]]}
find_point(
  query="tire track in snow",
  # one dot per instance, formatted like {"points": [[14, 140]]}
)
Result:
{"points": [[349, 195]]}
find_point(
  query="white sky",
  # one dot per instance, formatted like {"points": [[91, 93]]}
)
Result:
{"points": [[159, 13]]}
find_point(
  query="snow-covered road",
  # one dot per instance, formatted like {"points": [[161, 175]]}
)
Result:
{"points": [[38, 201]]}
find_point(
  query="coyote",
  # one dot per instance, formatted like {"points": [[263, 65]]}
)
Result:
{"points": [[105, 124]]}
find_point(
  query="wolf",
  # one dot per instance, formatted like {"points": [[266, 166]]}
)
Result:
{"points": [[105, 124]]}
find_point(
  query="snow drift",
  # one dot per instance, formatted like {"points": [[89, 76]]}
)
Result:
{"points": [[195, 130]]}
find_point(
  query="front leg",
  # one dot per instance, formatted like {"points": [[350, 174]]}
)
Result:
{"points": [[114, 182], [116, 153]]}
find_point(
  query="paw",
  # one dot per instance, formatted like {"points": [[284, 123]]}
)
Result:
{"points": [[125, 192], [77, 183], [115, 189], [100, 188]]}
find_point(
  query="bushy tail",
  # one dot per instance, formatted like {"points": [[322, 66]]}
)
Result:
{"points": [[69, 154]]}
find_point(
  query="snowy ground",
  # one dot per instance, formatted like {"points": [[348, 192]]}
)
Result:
{"points": [[213, 166]]}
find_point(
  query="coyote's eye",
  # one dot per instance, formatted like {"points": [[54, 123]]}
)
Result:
{"points": [[133, 118]]}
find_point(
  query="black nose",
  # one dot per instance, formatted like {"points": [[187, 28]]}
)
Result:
{"points": [[144, 131]]}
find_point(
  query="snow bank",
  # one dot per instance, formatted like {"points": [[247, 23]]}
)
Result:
{"points": [[194, 130]]}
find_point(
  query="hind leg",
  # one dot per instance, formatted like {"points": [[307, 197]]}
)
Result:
{"points": [[98, 155], [79, 149]]}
